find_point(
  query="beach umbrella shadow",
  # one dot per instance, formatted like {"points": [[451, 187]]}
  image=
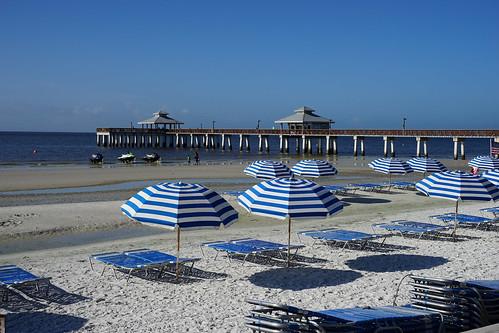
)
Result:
{"points": [[43, 322], [302, 278], [395, 263], [366, 200]]}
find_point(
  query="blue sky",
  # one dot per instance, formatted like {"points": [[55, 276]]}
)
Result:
{"points": [[78, 65]]}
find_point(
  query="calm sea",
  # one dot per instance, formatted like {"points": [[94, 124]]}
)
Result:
{"points": [[30, 148]]}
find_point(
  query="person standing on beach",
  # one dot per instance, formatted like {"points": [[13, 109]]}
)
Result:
{"points": [[196, 157], [189, 159]]}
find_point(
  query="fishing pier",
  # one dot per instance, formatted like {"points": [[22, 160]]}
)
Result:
{"points": [[324, 141], [310, 133]]}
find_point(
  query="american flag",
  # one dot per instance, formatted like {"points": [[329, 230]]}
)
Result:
{"points": [[494, 148]]}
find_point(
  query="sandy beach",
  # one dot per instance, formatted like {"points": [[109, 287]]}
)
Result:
{"points": [[53, 234]]}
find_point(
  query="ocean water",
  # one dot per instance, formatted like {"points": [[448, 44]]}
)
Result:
{"points": [[44, 148]]}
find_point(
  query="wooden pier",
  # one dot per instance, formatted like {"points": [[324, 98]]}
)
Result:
{"points": [[323, 140]]}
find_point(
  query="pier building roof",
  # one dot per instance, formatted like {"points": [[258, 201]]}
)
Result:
{"points": [[160, 118], [305, 117]]}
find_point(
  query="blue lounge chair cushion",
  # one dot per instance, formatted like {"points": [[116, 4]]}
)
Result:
{"points": [[339, 235], [262, 245], [231, 247], [421, 225], [335, 188], [157, 257], [368, 185], [12, 275], [485, 284], [121, 260], [400, 228], [490, 210], [462, 218], [359, 315]]}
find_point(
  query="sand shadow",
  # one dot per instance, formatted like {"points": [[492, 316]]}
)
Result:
{"points": [[371, 246], [442, 237], [363, 200], [394, 262], [186, 276], [30, 299], [278, 259], [43, 322], [266, 261], [302, 278]]}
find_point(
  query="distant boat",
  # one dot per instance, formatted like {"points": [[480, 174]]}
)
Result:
{"points": [[127, 158], [151, 158], [96, 158]]}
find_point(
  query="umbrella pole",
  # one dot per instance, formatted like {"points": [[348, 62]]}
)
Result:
{"points": [[289, 240], [455, 219], [178, 253]]}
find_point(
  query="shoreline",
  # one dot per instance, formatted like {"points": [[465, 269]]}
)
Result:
{"points": [[17, 179]]}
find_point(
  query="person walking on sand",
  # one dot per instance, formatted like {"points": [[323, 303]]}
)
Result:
{"points": [[196, 158], [189, 159]]}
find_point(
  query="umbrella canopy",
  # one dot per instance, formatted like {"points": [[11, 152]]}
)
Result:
{"points": [[390, 166], [484, 163], [314, 168], [290, 198], [426, 165], [458, 186], [267, 170], [179, 206], [492, 176]]}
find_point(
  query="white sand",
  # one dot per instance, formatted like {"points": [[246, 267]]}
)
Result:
{"points": [[216, 302]]}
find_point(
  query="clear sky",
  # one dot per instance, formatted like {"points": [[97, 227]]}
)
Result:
{"points": [[78, 65]]}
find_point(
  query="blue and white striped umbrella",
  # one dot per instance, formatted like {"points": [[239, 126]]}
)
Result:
{"points": [[179, 206], [290, 198], [484, 163], [492, 176], [390, 166], [267, 170], [458, 186], [314, 168], [426, 165]]}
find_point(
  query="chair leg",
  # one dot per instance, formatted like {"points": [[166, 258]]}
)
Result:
{"points": [[129, 274], [192, 266], [160, 272]]}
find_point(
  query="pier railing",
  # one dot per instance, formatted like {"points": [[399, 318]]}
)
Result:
{"points": [[428, 133]]}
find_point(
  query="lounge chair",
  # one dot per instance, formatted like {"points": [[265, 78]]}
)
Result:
{"points": [[403, 185], [493, 210], [336, 189], [250, 246], [346, 237], [370, 187], [139, 260], [13, 277], [466, 220], [464, 305], [404, 227], [268, 317], [234, 193]]}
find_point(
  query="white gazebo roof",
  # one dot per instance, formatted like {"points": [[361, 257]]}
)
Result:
{"points": [[303, 115], [159, 118]]}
